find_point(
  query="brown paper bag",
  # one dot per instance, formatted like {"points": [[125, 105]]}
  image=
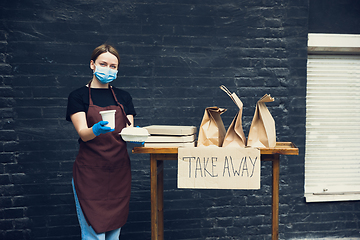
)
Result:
{"points": [[212, 130], [235, 136], [262, 130]]}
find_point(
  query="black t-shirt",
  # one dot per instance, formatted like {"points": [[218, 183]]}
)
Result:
{"points": [[78, 100]]}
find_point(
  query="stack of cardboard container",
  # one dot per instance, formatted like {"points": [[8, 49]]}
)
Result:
{"points": [[170, 136]]}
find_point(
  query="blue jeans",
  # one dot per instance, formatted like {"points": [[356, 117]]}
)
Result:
{"points": [[87, 232]]}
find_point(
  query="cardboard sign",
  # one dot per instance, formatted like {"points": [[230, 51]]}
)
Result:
{"points": [[219, 168]]}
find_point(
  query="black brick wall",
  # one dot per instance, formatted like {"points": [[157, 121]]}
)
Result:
{"points": [[333, 16], [175, 54]]}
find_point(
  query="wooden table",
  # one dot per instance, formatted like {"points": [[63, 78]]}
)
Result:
{"points": [[157, 157]]}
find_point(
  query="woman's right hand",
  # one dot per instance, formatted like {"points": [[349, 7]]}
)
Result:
{"points": [[101, 128]]}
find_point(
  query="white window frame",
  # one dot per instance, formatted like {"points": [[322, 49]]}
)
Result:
{"points": [[315, 188]]}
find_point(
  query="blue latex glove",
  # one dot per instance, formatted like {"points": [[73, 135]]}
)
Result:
{"points": [[99, 128], [142, 143]]}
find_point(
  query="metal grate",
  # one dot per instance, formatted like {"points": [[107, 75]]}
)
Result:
{"points": [[332, 161]]}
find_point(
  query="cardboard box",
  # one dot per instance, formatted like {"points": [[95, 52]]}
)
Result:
{"points": [[171, 130], [169, 145], [170, 139]]}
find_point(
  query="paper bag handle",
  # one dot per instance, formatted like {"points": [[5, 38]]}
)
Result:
{"points": [[233, 96]]}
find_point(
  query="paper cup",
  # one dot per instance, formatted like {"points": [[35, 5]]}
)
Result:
{"points": [[109, 116]]}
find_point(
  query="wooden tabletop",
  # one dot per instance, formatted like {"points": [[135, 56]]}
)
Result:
{"points": [[284, 148]]}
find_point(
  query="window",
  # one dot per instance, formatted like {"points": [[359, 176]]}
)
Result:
{"points": [[332, 163]]}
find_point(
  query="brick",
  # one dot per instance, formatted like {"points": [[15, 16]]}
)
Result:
{"points": [[6, 102], [21, 223], [14, 234], [14, 213], [6, 92], [183, 234], [7, 157], [3, 35], [5, 68], [58, 231], [4, 179], [9, 146], [6, 224], [3, 46], [7, 135], [6, 202]]}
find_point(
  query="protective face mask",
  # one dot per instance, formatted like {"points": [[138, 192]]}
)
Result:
{"points": [[105, 74]]}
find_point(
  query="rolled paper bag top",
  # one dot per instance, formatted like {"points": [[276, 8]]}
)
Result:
{"points": [[235, 136], [212, 130], [266, 98], [262, 130]]}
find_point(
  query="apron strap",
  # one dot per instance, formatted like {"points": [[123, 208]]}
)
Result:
{"points": [[120, 105], [117, 102], [90, 100], [113, 93]]}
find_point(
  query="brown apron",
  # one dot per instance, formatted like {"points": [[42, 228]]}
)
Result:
{"points": [[102, 174]]}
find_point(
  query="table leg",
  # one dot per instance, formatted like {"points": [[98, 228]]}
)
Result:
{"points": [[160, 200], [157, 199], [154, 197], [275, 196]]}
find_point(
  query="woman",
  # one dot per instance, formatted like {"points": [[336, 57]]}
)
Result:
{"points": [[101, 172]]}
